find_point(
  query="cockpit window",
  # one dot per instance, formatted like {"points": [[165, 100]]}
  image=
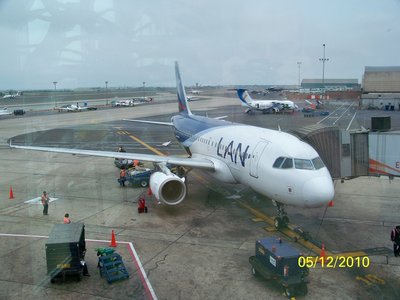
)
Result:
{"points": [[303, 164], [287, 164], [278, 162], [318, 163]]}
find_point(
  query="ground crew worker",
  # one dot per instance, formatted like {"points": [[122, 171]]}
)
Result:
{"points": [[121, 149], [122, 177], [135, 163], [395, 237], [67, 220], [45, 202]]}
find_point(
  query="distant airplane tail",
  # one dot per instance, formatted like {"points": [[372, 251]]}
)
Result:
{"points": [[244, 96], [182, 99]]}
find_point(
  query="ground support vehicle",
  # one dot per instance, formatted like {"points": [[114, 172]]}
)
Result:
{"points": [[279, 261], [138, 176], [65, 249], [123, 163]]}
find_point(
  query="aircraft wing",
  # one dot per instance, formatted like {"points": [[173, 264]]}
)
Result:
{"points": [[174, 160], [150, 122]]}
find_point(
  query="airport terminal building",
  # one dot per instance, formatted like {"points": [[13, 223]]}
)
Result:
{"points": [[330, 84], [381, 88]]}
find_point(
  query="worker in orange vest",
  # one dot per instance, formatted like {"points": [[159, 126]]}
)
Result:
{"points": [[67, 220], [122, 177]]}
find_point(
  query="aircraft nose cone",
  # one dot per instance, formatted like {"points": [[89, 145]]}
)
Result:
{"points": [[318, 191]]}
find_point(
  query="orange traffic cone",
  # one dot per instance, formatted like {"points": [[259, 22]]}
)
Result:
{"points": [[11, 193], [149, 192], [113, 242], [330, 204], [322, 253]]}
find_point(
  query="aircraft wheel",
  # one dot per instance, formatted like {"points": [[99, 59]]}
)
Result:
{"points": [[288, 291], [278, 222], [144, 183], [303, 289], [254, 271]]}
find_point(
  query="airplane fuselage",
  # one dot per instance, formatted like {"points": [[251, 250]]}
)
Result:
{"points": [[246, 154]]}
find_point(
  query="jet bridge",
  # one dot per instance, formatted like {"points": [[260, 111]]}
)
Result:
{"points": [[345, 154], [351, 154], [326, 141]]}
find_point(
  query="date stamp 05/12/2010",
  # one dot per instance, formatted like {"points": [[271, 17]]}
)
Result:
{"points": [[334, 262]]}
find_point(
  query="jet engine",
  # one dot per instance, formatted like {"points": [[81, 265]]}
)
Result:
{"points": [[168, 188]]}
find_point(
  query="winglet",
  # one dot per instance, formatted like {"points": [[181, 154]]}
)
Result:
{"points": [[182, 99]]}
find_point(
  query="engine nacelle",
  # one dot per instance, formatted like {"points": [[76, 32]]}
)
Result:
{"points": [[168, 188]]}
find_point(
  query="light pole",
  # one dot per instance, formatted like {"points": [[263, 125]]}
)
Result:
{"points": [[55, 90], [106, 82], [144, 84], [299, 64], [323, 59]]}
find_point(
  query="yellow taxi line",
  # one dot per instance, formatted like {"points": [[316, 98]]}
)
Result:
{"points": [[293, 235], [144, 144]]}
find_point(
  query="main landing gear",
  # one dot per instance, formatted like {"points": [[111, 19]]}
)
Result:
{"points": [[282, 219]]}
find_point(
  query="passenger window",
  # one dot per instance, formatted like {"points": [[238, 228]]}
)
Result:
{"points": [[278, 162], [288, 163]]}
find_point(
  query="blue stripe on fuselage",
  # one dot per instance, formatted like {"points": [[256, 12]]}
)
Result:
{"points": [[189, 127]]}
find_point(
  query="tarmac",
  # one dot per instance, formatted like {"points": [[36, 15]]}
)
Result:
{"points": [[196, 250]]}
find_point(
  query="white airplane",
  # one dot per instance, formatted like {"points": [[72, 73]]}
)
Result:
{"points": [[122, 103], [72, 108], [195, 92], [273, 163], [265, 106], [11, 96], [5, 112], [192, 98]]}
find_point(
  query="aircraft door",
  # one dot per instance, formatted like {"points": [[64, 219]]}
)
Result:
{"points": [[255, 157]]}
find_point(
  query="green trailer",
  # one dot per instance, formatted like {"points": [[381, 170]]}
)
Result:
{"points": [[65, 249]]}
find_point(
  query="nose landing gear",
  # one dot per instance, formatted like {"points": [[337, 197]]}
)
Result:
{"points": [[282, 220]]}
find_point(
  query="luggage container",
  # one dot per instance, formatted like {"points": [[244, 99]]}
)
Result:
{"points": [[279, 261], [65, 249]]}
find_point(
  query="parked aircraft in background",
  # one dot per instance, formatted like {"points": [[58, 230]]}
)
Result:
{"points": [[11, 96], [142, 99], [195, 92], [274, 89], [273, 163], [192, 98], [265, 106], [4, 111], [122, 103], [72, 108]]}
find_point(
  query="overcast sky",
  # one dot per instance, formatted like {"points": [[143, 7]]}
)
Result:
{"points": [[229, 42]]}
